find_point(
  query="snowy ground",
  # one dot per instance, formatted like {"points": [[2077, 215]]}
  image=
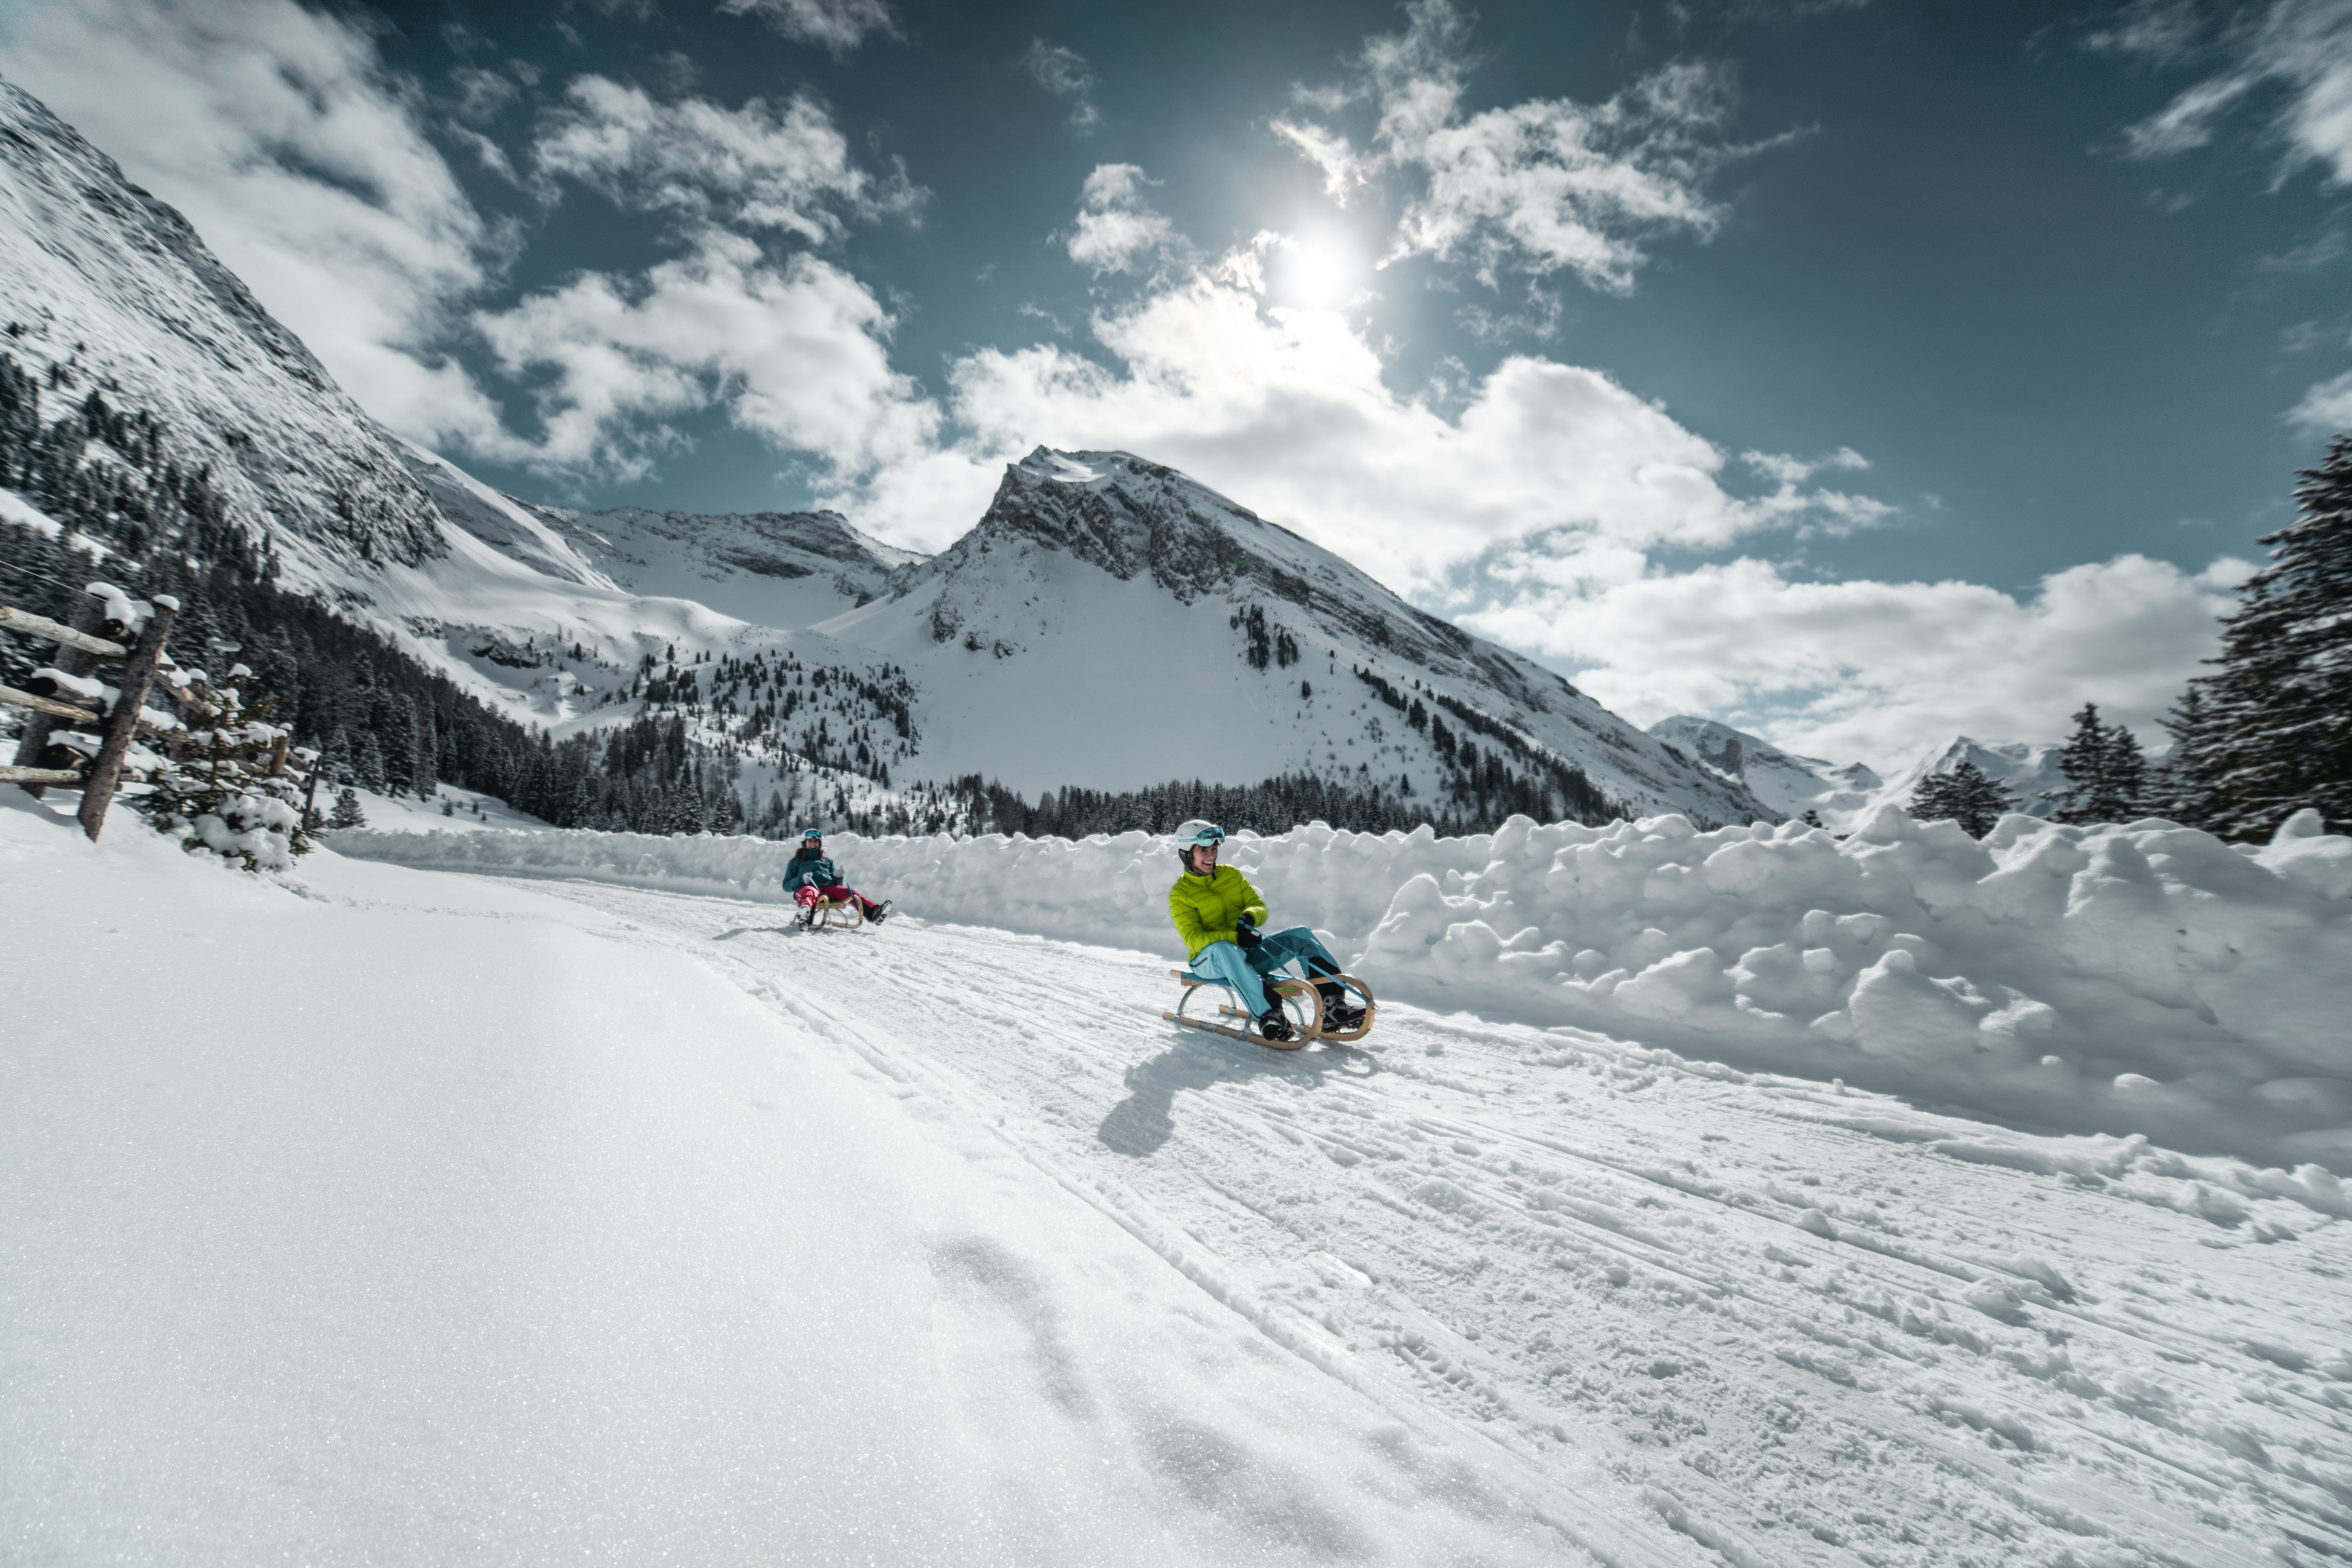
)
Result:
{"points": [[470, 811], [521, 1220]]}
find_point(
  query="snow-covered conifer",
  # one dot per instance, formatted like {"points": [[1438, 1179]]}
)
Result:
{"points": [[220, 793], [2273, 731], [1967, 795], [367, 765], [347, 812], [2107, 772]]}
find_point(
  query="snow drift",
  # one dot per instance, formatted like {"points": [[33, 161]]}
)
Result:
{"points": [[2143, 978]]}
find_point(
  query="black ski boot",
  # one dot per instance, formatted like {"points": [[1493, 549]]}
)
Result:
{"points": [[1275, 1024], [876, 918], [1339, 1014]]}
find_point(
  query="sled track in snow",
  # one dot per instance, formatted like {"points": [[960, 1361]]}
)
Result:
{"points": [[1790, 1324]]}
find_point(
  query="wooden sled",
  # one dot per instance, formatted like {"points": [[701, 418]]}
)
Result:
{"points": [[1301, 1002], [837, 914]]}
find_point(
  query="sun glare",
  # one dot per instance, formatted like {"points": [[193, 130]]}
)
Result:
{"points": [[1319, 272]]}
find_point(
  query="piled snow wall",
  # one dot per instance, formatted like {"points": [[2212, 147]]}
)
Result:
{"points": [[2141, 978]]}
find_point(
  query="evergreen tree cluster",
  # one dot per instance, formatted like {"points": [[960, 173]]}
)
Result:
{"points": [[1967, 796], [1275, 806], [2270, 731], [771, 707], [1510, 775], [108, 477]]}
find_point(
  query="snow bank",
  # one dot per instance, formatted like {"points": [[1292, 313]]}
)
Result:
{"points": [[2143, 978]]}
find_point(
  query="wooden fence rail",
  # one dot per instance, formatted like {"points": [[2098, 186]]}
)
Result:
{"points": [[69, 636], [80, 648]]}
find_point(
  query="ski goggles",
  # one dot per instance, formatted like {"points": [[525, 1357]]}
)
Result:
{"points": [[1211, 836]]}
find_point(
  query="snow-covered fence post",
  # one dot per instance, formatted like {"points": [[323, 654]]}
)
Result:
{"points": [[74, 657], [310, 790], [122, 722]]}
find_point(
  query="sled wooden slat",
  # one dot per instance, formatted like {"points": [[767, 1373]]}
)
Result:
{"points": [[17, 620]]}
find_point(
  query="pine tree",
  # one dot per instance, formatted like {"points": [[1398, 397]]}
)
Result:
{"points": [[335, 761], [2188, 789], [219, 794], [428, 749], [347, 810], [1967, 795], [2124, 786], [367, 767], [2107, 773], [2276, 732], [2084, 763]]}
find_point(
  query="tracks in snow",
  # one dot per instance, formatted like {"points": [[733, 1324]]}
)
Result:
{"points": [[1779, 1319]]}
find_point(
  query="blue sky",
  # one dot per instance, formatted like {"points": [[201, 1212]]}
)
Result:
{"points": [[1856, 372]]}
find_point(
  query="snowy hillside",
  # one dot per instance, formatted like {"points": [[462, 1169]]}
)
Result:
{"points": [[107, 291], [1789, 783], [555, 1217], [1110, 622], [772, 569]]}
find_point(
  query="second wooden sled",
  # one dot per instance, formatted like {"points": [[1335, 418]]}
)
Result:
{"points": [[1302, 1002]]}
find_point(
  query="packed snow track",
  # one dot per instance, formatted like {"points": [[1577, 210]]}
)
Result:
{"points": [[1688, 1314]]}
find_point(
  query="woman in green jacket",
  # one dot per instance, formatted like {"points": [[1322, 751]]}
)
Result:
{"points": [[1218, 913]]}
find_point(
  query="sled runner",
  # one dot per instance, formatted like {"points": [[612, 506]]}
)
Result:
{"points": [[844, 914], [1301, 1004]]}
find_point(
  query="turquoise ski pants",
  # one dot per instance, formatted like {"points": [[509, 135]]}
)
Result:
{"points": [[1225, 962]]}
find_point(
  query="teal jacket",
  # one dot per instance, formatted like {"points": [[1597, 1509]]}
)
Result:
{"points": [[1205, 907], [809, 871]]}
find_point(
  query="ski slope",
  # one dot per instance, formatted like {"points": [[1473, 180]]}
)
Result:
{"points": [[529, 1218]]}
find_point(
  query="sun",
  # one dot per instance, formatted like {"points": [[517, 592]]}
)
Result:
{"points": [[1319, 272]]}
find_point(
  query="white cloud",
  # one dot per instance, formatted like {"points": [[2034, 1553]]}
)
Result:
{"points": [[2326, 407], [1546, 185], [1868, 669], [796, 351], [1063, 73], [835, 25], [1289, 412], [787, 169], [2304, 47], [304, 164], [1116, 227]]}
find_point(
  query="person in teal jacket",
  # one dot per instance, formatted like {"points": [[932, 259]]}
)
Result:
{"points": [[810, 875], [1218, 914]]}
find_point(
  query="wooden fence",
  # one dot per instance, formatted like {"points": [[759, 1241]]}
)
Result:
{"points": [[62, 698]]}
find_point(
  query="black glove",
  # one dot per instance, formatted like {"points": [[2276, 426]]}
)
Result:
{"points": [[1246, 934]]}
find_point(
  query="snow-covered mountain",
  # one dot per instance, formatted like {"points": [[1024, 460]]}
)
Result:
{"points": [[1789, 783], [1110, 622], [106, 290]]}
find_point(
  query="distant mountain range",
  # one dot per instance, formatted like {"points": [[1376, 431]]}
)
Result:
{"points": [[1106, 623], [1841, 796]]}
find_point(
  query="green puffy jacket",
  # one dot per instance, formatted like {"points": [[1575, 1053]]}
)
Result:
{"points": [[1205, 907]]}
